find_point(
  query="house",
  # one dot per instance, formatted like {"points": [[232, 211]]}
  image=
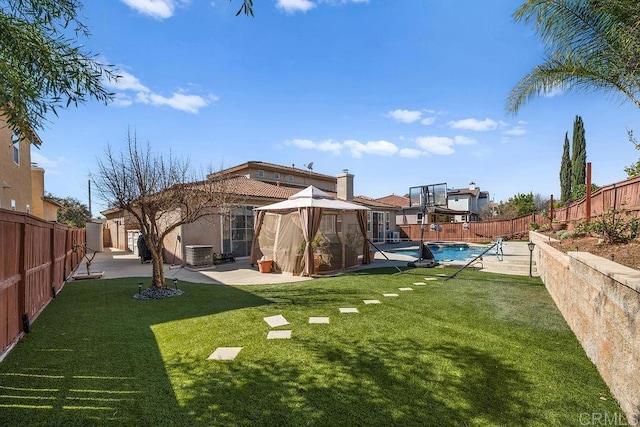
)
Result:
{"points": [[468, 200], [463, 205], [22, 183], [253, 184]]}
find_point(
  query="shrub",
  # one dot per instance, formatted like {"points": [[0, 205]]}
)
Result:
{"points": [[616, 226], [582, 228]]}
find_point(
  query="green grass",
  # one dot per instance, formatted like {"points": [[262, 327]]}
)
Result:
{"points": [[477, 350]]}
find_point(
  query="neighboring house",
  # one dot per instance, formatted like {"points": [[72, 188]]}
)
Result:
{"points": [[253, 184], [412, 215], [289, 176], [21, 182], [469, 200]]}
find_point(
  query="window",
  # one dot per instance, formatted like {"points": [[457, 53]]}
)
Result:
{"points": [[13, 205], [290, 178], [387, 221], [419, 218], [276, 175], [28, 208], [261, 173], [16, 149]]}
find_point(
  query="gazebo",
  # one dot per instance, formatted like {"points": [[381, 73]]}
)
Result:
{"points": [[309, 232]]}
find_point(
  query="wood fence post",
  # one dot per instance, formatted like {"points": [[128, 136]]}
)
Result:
{"points": [[22, 283], [588, 199], [52, 271]]}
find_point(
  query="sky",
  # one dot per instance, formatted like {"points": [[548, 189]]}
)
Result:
{"points": [[401, 93]]}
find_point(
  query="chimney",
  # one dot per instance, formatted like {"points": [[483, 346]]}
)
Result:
{"points": [[472, 185], [345, 185]]}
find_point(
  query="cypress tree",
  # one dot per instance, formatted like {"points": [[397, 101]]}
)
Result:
{"points": [[565, 172], [579, 155]]}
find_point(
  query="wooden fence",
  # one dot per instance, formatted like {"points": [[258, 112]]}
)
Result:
{"points": [[621, 195], [481, 231], [36, 258]]}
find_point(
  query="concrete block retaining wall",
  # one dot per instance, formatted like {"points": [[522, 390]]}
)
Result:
{"points": [[600, 300]]}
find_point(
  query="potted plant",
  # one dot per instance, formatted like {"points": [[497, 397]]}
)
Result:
{"points": [[321, 252], [557, 225], [353, 242]]}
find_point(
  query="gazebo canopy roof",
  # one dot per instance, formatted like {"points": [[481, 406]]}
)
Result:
{"points": [[312, 197]]}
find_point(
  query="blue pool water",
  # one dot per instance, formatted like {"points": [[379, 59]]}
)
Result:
{"points": [[455, 252]]}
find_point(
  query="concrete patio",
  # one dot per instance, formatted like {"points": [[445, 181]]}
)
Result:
{"points": [[118, 264]]}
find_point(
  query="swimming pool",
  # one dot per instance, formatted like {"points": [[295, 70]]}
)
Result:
{"points": [[447, 251]]}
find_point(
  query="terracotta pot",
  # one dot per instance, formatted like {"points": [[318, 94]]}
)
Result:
{"points": [[557, 226], [265, 265]]}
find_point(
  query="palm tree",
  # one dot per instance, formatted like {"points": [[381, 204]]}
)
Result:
{"points": [[591, 45]]}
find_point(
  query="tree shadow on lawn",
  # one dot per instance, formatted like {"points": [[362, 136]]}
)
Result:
{"points": [[92, 357], [395, 382]]}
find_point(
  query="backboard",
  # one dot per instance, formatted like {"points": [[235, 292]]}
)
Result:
{"points": [[428, 196]]}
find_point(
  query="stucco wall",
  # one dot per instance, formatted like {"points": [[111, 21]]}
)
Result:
{"points": [[15, 180], [600, 300]]}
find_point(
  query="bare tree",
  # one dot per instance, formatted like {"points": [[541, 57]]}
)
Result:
{"points": [[160, 193]]}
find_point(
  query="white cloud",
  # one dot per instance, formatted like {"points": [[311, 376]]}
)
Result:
{"points": [[357, 148], [326, 146], [553, 92], [428, 121], [405, 116], [178, 101], [142, 94], [52, 166], [411, 153], [436, 144], [159, 9], [379, 148], [474, 124], [301, 143], [516, 131], [126, 82], [463, 140], [293, 6]]}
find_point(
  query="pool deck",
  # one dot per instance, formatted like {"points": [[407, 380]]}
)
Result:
{"points": [[515, 260], [120, 264]]}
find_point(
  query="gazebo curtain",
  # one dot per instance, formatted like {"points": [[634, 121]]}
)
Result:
{"points": [[362, 222], [310, 219], [256, 232]]}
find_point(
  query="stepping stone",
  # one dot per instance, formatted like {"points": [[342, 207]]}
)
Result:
{"points": [[224, 353], [349, 310], [405, 289], [441, 275], [419, 283], [430, 278], [390, 295], [318, 320], [371, 301], [275, 321], [279, 335]]}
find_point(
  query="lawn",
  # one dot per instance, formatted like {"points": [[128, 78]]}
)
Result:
{"points": [[481, 349]]}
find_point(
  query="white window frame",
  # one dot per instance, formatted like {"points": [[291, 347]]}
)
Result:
{"points": [[276, 175], [260, 173], [16, 149]]}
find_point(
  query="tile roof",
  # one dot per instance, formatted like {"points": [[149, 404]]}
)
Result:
{"points": [[395, 200], [247, 187], [368, 201]]}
